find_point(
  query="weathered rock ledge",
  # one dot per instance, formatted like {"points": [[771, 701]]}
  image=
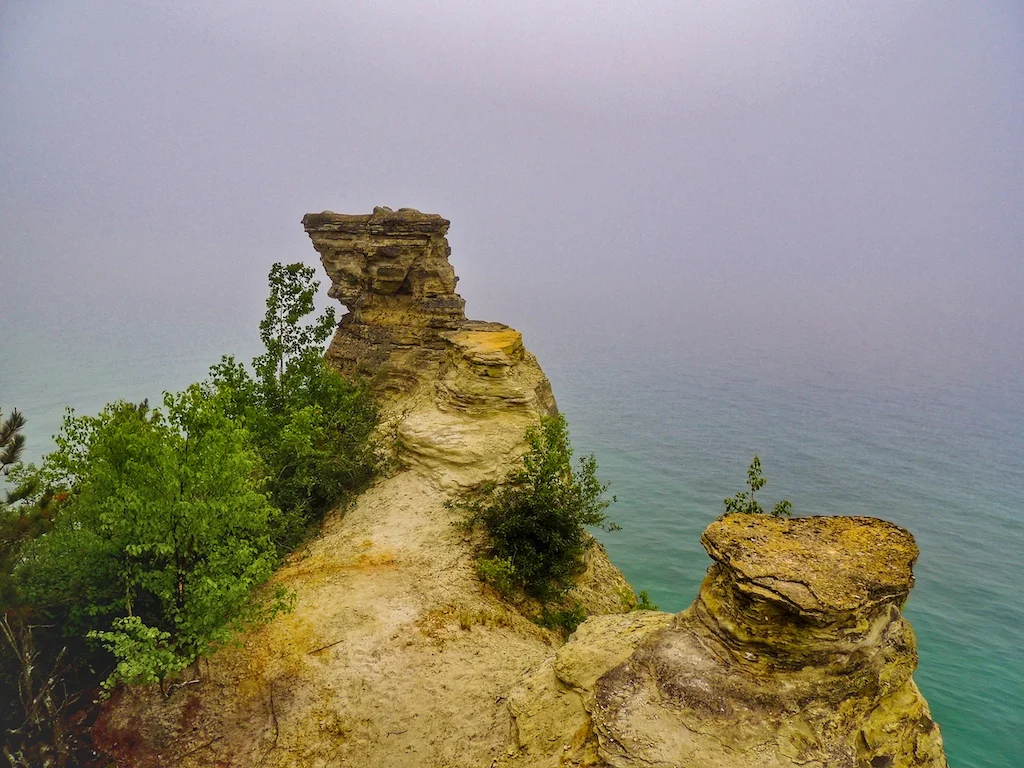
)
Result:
{"points": [[794, 653]]}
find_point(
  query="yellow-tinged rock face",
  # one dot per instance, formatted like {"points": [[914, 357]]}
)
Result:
{"points": [[391, 270], [406, 327], [794, 652], [504, 345], [458, 394], [817, 565]]}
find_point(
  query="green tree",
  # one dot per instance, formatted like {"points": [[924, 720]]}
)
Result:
{"points": [[535, 520], [744, 502], [289, 344], [148, 533], [165, 523], [25, 511], [313, 428], [34, 659]]}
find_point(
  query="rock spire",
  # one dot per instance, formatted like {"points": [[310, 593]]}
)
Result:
{"points": [[391, 270], [460, 393]]}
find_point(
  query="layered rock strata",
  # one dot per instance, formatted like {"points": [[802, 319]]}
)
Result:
{"points": [[391, 270], [458, 393], [794, 653]]}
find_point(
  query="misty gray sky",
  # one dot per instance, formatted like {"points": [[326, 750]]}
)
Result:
{"points": [[845, 177]]}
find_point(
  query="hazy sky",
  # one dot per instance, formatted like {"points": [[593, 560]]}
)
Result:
{"points": [[843, 177]]}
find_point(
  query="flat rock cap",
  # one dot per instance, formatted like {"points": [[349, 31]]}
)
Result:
{"points": [[815, 564], [381, 221]]}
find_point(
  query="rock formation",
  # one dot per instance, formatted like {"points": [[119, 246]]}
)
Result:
{"points": [[459, 393], [395, 655], [391, 270], [794, 653]]}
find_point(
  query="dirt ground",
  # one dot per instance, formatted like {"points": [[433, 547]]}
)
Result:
{"points": [[395, 654]]}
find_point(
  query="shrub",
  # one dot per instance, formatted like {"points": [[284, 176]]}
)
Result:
{"points": [[499, 572], [643, 602], [566, 620], [743, 502], [535, 520], [144, 654]]}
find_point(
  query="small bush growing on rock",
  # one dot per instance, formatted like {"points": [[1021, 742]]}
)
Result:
{"points": [[636, 601], [535, 520], [566, 619], [643, 602], [745, 503], [499, 572]]}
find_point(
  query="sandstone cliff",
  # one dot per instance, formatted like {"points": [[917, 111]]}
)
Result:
{"points": [[396, 655], [458, 393]]}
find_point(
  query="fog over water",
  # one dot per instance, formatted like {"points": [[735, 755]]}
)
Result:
{"points": [[841, 180]]}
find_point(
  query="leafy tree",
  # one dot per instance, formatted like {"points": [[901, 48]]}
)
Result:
{"points": [[535, 520], [288, 344], [312, 428], [165, 524], [744, 502], [148, 531]]}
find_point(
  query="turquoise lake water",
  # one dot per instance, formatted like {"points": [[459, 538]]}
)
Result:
{"points": [[673, 428]]}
